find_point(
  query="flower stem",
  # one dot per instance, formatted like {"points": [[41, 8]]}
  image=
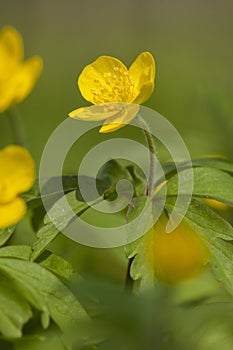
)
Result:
{"points": [[150, 186], [17, 128], [144, 126]]}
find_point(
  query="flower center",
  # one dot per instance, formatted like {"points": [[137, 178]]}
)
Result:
{"points": [[115, 86]]}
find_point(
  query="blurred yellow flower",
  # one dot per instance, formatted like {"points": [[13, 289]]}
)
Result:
{"points": [[175, 256], [115, 90], [216, 204], [17, 175], [17, 77]]}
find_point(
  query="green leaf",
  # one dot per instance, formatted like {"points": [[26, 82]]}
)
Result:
{"points": [[50, 192], [138, 179], [50, 339], [44, 236], [170, 168], [217, 163], [24, 282], [205, 221], [217, 235], [222, 264], [50, 188], [15, 311], [37, 215], [115, 170], [63, 215], [140, 270], [56, 264], [44, 291], [61, 218], [5, 234], [208, 183], [207, 162], [16, 251]]}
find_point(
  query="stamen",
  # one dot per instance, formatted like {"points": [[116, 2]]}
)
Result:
{"points": [[116, 87]]}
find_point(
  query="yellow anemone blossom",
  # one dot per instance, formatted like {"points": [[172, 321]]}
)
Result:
{"points": [[176, 256], [115, 90], [17, 175], [17, 77]]}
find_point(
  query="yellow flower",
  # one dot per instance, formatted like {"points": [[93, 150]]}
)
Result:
{"points": [[17, 77], [216, 204], [16, 176], [115, 90], [175, 256]]}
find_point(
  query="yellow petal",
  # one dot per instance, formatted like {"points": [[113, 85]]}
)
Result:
{"points": [[12, 212], [26, 78], [92, 113], [98, 112], [122, 118], [142, 71], [99, 79], [77, 111], [17, 172], [17, 78], [11, 44], [7, 93], [11, 54]]}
